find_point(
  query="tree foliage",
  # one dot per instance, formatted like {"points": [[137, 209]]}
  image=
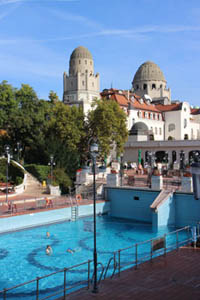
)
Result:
{"points": [[46, 128], [107, 122]]}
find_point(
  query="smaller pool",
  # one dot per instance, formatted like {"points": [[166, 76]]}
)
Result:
{"points": [[23, 256]]}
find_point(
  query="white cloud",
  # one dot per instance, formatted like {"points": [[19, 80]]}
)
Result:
{"points": [[137, 33], [76, 18]]}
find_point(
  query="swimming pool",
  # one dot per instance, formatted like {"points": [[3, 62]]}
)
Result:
{"points": [[23, 257]]}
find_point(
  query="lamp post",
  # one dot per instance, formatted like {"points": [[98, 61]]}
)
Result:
{"points": [[51, 164], [94, 148], [121, 169], [7, 151]]}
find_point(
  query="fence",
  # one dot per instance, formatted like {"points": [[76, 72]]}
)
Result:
{"points": [[169, 183], [122, 259], [34, 204]]}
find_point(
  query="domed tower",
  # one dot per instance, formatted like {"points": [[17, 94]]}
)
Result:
{"points": [[81, 86], [150, 80]]}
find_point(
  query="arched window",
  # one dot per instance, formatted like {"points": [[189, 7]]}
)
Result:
{"points": [[144, 86], [185, 123], [161, 86], [171, 127], [153, 86]]}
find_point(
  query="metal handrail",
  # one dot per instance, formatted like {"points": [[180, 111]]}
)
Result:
{"points": [[100, 277], [37, 280], [108, 265]]}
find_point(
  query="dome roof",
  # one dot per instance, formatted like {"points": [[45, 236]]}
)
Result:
{"points": [[149, 71], [81, 52], [139, 128]]}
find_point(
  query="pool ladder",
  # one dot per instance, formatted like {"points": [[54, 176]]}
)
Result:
{"points": [[74, 213]]}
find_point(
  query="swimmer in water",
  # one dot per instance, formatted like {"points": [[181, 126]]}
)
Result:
{"points": [[70, 251], [48, 234], [49, 250]]}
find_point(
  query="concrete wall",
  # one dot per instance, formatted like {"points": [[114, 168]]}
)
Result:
{"points": [[180, 210], [124, 204], [165, 214]]}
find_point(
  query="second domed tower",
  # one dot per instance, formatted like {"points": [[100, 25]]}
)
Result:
{"points": [[81, 86], [150, 80]]}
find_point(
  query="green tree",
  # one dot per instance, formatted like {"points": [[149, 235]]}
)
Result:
{"points": [[107, 122], [53, 97], [8, 104], [64, 137]]}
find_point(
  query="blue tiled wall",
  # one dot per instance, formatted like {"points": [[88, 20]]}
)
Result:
{"points": [[166, 212], [187, 209], [46, 217], [123, 204], [180, 210]]}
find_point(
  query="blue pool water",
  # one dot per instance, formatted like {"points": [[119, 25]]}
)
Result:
{"points": [[23, 257]]}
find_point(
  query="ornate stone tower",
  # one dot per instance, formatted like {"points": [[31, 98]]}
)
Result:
{"points": [[81, 86], [150, 80]]}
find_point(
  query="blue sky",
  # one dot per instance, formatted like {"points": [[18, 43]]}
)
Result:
{"points": [[38, 36]]}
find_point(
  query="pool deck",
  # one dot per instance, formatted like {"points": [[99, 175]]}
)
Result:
{"points": [[174, 277]]}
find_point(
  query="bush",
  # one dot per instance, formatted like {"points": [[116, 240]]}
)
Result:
{"points": [[19, 180], [39, 171], [14, 171], [62, 179]]}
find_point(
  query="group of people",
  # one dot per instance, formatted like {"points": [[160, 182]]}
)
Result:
{"points": [[49, 250]]}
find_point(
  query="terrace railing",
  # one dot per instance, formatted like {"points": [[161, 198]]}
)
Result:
{"points": [[122, 259]]}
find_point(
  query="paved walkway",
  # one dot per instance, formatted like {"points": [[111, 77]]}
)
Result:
{"points": [[174, 277]]}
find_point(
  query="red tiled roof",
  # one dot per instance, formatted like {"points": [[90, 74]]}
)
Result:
{"points": [[195, 111], [120, 99], [170, 107], [144, 106]]}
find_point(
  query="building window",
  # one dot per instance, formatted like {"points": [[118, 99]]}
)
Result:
{"points": [[71, 83], [92, 84], [140, 114], [185, 123], [85, 62], [137, 87], [91, 63], [153, 86], [161, 86], [145, 86], [171, 127], [156, 130], [160, 130], [83, 82], [146, 115], [79, 61], [151, 116]]}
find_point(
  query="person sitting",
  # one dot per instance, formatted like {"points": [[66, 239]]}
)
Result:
{"points": [[70, 250], [49, 250]]}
